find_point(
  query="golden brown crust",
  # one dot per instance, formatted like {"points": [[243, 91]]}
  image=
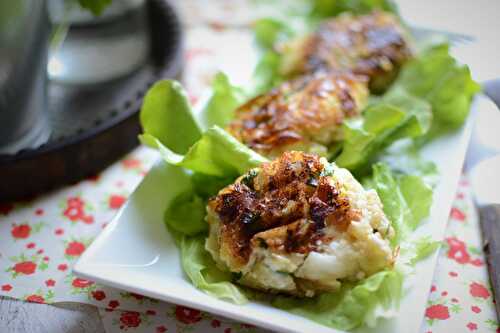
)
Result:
{"points": [[374, 45], [286, 207], [293, 114]]}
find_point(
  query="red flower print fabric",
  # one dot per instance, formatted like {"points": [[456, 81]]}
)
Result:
{"points": [[24, 230], [6, 287], [479, 290], [21, 231], [460, 299], [130, 319], [40, 240], [457, 214], [76, 210], [81, 283], [437, 311], [74, 249], [99, 295], [35, 299], [25, 267], [116, 201], [187, 315], [50, 283]]}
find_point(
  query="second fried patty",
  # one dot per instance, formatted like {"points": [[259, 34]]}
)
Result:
{"points": [[302, 114]]}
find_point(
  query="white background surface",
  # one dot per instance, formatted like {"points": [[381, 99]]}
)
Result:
{"points": [[477, 18]]}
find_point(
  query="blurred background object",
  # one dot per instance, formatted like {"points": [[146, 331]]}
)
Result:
{"points": [[24, 35], [86, 98], [89, 49], [477, 19]]}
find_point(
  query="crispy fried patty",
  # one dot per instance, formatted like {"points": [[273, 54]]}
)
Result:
{"points": [[303, 114], [294, 193], [273, 223], [375, 45]]}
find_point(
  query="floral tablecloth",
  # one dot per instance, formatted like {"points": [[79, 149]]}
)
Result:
{"points": [[41, 239]]}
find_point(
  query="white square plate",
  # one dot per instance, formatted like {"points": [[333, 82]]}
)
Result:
{"points": [[136, 253]]}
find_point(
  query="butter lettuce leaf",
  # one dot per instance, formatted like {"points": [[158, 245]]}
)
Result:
{"points": [[395, 116], [206, 186], [213, 159], [423, 248], [203, 273], [225, 98], [418, 119], [217, 153], [406, 199], [269, 31], [167, 116], [353, 306], [267, 73], [186, 213], [418, 197], [328, 8], [436, 77], [170, 126], [404, 158], [364, 137]]}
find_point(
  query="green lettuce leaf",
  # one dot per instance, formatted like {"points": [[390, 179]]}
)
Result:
{"points": [[328, 8], [267, 73], [204, 274], [396, 116], [418, 197], [215, 158], [435, 76], [404, 158], [353, 306], [418, 118], [423, 248], [166, 115], [186, 213], [217, 153], [221, 105], [269, 31], [170, 126], [206, 186], [406, 199], [363, 137]]}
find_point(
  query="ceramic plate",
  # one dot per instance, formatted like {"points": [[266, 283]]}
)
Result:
{"points": [[136, 253]]}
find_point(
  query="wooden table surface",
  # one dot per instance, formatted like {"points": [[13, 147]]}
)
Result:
{"points": [[19, 317]]}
